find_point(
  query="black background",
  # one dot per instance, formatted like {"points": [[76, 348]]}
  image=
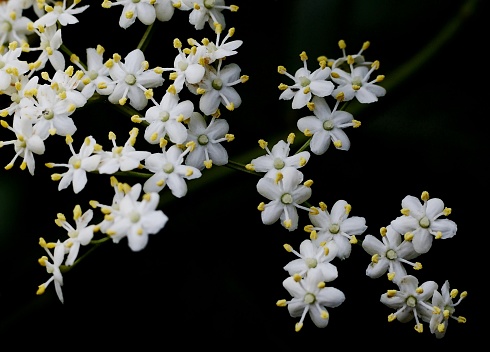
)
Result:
{"points": [[211, 277]]}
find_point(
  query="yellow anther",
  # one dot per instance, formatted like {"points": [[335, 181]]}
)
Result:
{"points": [[447, 211], [136, 119], [419, 290], [405, 211], [383, 231], [425, 196], [40, 290], [308, 183], [302, 161], [391, 317], [334, 74], [441, 327], [279, 177], [288, 223], [234, 8], [282, 86], [408, 236], [100, 49], [298, 327], [307, 90], [464, 294], [310, 105], [461, 319], [230, 106], [365, 45], [171, 89], [353, 239], [417, 266], [380, 78], [419, 328], [281, 303], [55, 177], [288, 247], [261, 206], [201, 91], [129, 14], [307, 133], [313, 235], [326, 250], [347, 208], [314, 211], [356, 123], [250, 167], [438, 235], [391, 276], [308, 228], [173, 76], [350, 60], [356, 87], [391, 293], [281, 69], [375, 65], [375, 258], [122, 101], [342, 44], [321, 284], [229, 137], [297, 277], [324, 314], [244, 78], [303, 56], [148, 93], [436, 310]]}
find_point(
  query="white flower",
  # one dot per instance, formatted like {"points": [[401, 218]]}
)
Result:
{"points": [[53, 267], [444, 308], [14, 26], [310, 295], [278, 158], [286, 195], [207, 139], [165, 8], [80, 235], [124, 158], [336, 228], [356, 84], [27, 143], [210, 52], [132, 79], [11, 67], [50, 43], [207, 11], [312, 256], [389, 255], [120, 190], [306, 84], [410, 301], [326, 126], [422, 221], [136, 219], [96, 75], [217, 88], [132, 10], [167, 118], [78, 165], [168, 170], [60, 13]]}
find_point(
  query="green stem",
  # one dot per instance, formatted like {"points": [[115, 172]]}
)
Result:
{"points": [[145, 40]]}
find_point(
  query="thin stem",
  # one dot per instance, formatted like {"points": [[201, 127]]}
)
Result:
{"points": [[145, 40]]}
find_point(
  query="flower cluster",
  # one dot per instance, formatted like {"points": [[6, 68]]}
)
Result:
{"points": [[178, 105]]}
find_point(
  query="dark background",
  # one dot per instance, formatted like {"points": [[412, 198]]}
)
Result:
{"points": [[211, 278]]}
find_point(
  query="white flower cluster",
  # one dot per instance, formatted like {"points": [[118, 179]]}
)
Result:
{"points": [[46, 85]]}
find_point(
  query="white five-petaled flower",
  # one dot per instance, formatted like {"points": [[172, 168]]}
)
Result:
{"points": [[422, 221], [306, 84], [11, 67], [217, 88], [13, 25], [123, 158], [133, 79], [310, 295], [410, 301], [96, 75], [208, 150], [335, 228], [132, 10], [312, 256], [207, 11], [278, 158], [167, 119], [27, 143], [136, 219], [286, 194], [356, 83], [60, 13], [50, 43], [389, 254], [78, 165], [53, 267], [168, 170], [326, 126], [444, 308], [210, 52], [80, 235]]}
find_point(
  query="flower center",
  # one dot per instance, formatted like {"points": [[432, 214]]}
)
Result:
{"points": [[48, 114], [164, 116], [209, 4], [334, 229], [203, 139], [134, 216], [279, 163], [391, 254], [328, 125], [286, 198], [92, 75], [424, 222], [168, 168], [357, 81], [411, 301], [217, 84], [75, 161], [136, 1], [311, 262], [183, 65], [130, 79], [309, 298], [5, 27], [304, 81], [73, 234]]}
